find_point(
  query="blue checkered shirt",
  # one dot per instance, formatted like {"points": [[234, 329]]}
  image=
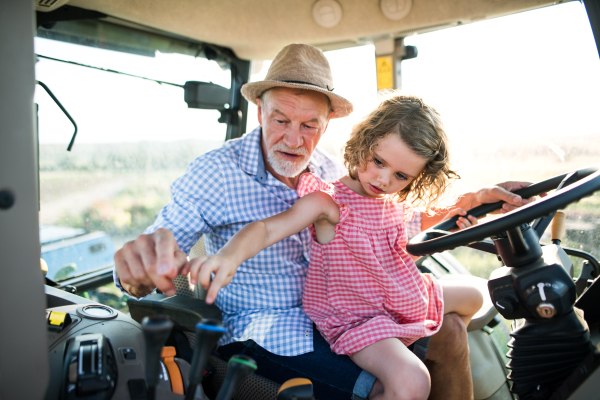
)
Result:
{"points": [[222, 191]]}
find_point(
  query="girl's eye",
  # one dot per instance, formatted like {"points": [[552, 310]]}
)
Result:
{"points": [[400, 176], [377, 162]]}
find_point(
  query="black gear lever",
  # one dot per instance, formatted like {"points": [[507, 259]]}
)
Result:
{"points": [[156, 331], [208, 333], [238, 369]]}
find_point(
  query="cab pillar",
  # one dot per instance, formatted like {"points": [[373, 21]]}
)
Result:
{"points": [[389, 54]]}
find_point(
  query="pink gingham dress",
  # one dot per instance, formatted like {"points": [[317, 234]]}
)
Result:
{"points": [[363, 286]]}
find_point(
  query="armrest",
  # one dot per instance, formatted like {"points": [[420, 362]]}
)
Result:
{"points": [[185, 312], [487, 312]]}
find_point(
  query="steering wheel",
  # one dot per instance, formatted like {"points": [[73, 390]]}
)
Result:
{"points": [[573, 186]]}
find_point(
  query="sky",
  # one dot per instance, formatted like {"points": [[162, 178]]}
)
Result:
{"points": [[534, 73]]}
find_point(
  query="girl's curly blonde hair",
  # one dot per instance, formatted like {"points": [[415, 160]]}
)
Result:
{"points": [[420, 127]]}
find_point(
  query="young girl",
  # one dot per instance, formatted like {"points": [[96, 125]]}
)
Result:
{"points": [[363, 290]]}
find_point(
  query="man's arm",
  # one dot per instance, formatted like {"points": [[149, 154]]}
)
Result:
{"points": [[155, 258], [501, 192]]}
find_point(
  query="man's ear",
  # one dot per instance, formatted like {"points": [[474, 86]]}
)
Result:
{"points": [[328, 119], [258, 105]]}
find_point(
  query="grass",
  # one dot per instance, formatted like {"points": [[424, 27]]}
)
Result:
{"points": [[130, 211], [478, 263]]}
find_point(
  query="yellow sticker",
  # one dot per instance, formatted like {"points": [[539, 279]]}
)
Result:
{"points": [[385, 72]]}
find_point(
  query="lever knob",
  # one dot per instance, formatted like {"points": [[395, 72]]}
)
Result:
{"points": [[208, 333], [558, 226], [238, 369], [156, 331], [296, 389]]}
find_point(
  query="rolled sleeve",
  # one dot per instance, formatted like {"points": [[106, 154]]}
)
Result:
{"points": [[118, 285], [413, 228]]}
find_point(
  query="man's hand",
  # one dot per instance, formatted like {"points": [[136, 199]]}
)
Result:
{"points": [[491, 194], [502, 192], [150, 261], [201, 269]]}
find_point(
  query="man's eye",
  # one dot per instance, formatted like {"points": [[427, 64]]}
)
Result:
{"points": [[377, 162]]}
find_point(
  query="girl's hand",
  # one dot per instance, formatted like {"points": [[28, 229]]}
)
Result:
{"points": [[463, 222], [201, 269]]}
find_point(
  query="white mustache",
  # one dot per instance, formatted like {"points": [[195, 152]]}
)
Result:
{"points": [[300, 151]]}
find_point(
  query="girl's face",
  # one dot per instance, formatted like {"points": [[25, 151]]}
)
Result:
{"points": [[393, 167]]}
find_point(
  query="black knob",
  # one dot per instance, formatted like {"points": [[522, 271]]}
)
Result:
{"points": [[156, 331], [507, 305], [7, 199]]}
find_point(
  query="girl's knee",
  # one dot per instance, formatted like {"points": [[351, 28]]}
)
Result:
{"points": [[414, 384], [421, 382]]}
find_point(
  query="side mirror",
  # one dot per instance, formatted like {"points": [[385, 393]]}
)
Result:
{"points": [[205, 95]]}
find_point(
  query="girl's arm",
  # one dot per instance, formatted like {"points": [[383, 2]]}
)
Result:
{"points": [[257, 236]]}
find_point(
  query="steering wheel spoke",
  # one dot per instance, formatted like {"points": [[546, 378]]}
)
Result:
{"points": [[486, 245]]}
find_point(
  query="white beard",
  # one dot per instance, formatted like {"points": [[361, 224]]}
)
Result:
{"points": [[287, 168]]}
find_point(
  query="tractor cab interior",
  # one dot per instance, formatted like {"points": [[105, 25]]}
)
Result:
{"points": [[105, 103]]}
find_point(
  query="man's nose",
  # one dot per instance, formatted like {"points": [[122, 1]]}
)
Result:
{"points": [[293, 138]]}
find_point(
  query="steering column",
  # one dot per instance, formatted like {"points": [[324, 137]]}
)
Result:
{"points": [[535, 285]]}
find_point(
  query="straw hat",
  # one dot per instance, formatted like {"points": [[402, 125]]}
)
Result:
{"points": [[300, 66]]}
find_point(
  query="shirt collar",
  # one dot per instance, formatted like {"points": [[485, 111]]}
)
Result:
{"points": [[253, 163]]}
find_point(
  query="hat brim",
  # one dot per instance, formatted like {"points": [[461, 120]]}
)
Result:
{"points": [[340, 106]]}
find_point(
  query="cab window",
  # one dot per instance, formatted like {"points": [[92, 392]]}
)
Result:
{"points": [[135, 136]]}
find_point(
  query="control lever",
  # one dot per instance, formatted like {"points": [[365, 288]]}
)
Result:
{"points": [[208, 333], [558, 227], [156, 331], [296, 389], [238, 369]]}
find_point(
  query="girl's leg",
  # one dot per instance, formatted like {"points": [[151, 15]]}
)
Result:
{"points": [[403, 375], [462, 298]]}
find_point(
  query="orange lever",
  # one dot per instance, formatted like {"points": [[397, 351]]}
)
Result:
{"points": [[168, 356]]}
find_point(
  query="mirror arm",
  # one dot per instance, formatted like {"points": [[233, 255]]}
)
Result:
{"points": [[47, 89]]}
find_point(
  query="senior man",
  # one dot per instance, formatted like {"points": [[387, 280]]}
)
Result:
{"points": [[255, 177]]}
